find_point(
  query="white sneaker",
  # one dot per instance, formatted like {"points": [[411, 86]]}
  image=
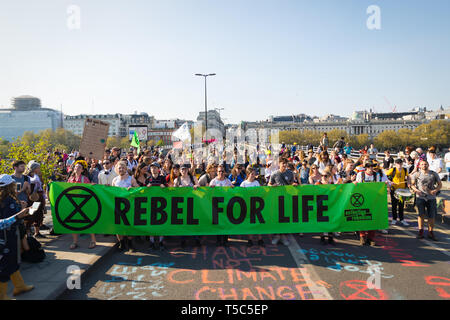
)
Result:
{"points": [[276, 239], [384, 231], [285, 241], [393, 222], [403, 222]]}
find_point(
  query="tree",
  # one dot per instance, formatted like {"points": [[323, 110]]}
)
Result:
{"points": [[386, 140], [160, 143], [359, 141], [335, 135], [112, 142], [4, 148], [27, 149]]}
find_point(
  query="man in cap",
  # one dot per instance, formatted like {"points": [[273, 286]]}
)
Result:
{"points": [[156, 179]]}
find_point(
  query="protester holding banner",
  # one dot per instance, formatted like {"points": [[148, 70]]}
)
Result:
{"points": [[141, 174], [210, 174], [314, 174], [107, 175], [367, 237], [155, 179], [248, 183], [79, 175], [426, 184], [327, 178], [282, 177], [174, 174], [221, 181], [186, 179], [124, 180], [10, 211], [237, 175]]}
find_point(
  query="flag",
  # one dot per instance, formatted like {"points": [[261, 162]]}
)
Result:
{"points": [[183, 133], [135, 141]]}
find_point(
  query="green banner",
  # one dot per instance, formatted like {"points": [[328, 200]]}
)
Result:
{"points": [[84, 208]]}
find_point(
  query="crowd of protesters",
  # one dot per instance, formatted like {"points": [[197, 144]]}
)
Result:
{"points": [[415, 170]]}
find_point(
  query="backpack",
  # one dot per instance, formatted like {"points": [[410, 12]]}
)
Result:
{"points": [[391, 176], [363, 177], [36, 254]]}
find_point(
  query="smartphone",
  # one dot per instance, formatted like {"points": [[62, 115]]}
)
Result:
{"points": [[34, 208], [18, 186]]}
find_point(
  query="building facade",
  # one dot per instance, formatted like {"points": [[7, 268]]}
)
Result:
{"points": [[214, 121], [361, 122], [75, 124], [27, 114]]}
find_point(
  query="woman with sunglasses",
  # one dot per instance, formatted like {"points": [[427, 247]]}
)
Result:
{"points": [[248, 183], [304, 173], [186, 179], [221, 181], [326, 178], [314, 174]]}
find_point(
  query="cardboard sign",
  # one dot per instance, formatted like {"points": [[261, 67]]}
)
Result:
{"points": [[94, 138]]}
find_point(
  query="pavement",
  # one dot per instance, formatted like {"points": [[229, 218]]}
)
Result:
{"points": [[50, 277]]}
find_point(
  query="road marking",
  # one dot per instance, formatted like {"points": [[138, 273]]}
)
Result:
{"points": [[431, 244], [307, 271]]}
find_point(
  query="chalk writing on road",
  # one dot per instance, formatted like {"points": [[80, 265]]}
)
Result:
{"points": [[236, 273], [132, 280], [342, 260], [441, 284], [358, 290]]}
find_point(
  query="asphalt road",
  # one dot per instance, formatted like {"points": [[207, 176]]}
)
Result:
{"points": [[403, 267]]}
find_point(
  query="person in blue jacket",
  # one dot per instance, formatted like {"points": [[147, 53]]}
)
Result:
{"points": [[10, 211], [237, 175]]}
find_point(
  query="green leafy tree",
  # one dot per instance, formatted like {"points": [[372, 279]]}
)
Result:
{"points": [[27, 149], [335, 135]]}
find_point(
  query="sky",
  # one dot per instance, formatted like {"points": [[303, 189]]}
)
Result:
{"points": [[271, 57]]}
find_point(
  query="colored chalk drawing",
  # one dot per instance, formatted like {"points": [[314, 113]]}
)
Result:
{"points": [[358, 290], [135, 281], [441, 285], [341, 260]]}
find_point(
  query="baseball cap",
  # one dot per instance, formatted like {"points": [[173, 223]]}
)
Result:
{"points": [[185, 166], [5, 180], [155, 164]]}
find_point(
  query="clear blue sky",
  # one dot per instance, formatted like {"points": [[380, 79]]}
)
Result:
{"points": [[271, 57]]}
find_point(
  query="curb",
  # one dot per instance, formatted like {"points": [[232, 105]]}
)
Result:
{"points": [[96, 261]]}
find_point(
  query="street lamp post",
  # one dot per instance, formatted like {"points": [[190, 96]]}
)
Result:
{"points": [[206, 103]]}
